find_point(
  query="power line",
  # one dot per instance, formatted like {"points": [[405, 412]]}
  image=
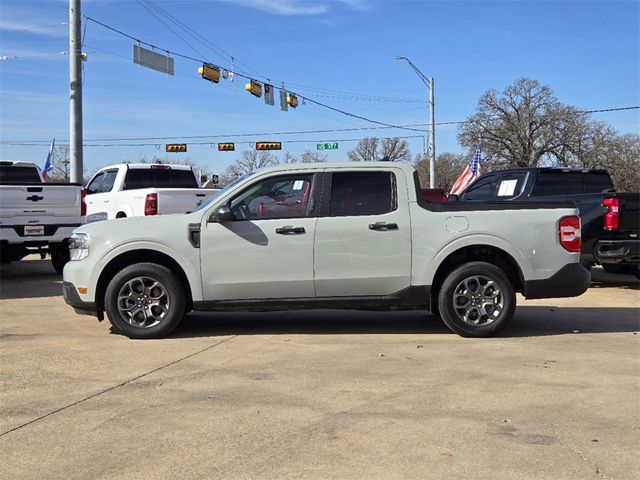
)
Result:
{"points": [[242, 75], [317, 91], [298, 132]]}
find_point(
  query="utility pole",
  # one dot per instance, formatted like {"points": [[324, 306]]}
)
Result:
{"points": [[432, 120], [432, 115], [75, 92]]}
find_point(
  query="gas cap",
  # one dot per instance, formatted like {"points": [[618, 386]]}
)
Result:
{"points": [[456, 224]]}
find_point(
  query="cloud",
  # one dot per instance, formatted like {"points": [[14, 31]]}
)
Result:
{"points": [[299, 7], [20, 26]]}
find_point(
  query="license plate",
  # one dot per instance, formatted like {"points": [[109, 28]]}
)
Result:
{"points": [[33, 230]]}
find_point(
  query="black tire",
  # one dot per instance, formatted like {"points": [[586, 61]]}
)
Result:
{"points": [[59, 256], [121, 215], [485, 288], [152, 301], [620, 269]]}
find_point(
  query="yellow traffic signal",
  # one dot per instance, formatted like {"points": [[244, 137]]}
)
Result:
{"points": [[292, 100], [268, 146], [175, 147], [226, 147], [254, 87], [209, 72]]}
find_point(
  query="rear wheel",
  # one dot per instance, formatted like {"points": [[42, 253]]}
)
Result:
{"points": [[59, 256], [476, 300], [145, 300]]}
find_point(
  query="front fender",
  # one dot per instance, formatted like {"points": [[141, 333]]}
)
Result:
{"points": [[189, 261]]}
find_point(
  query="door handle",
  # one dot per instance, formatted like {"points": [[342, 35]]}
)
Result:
{"points": [[288, 230], [383, 226]]}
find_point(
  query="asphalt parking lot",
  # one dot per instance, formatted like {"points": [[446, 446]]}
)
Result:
{"points": [[321, 394]]}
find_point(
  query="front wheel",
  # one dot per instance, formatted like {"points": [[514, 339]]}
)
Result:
{"points": [[476, 300], [145, 300]]}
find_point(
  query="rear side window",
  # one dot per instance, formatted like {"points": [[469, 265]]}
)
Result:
{"points": [[362, 193], [570, 183], [159, 178], [481, 190], [109, 180], [510, 186], [10, 174]]}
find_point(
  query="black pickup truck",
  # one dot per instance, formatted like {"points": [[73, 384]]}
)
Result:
{"points": [[610, 220]]}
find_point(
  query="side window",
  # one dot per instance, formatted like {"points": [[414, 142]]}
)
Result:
{"points": [[276, 197], [109, 180], [362, 193], [94, 185], [481, 190], [557, 183], [510, 186]]}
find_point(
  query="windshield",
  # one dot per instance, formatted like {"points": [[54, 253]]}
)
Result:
{"points": [[215, 196]]}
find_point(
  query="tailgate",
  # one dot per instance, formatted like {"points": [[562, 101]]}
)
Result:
{"points": [[629, 212], [40, 200], [181, 200]]}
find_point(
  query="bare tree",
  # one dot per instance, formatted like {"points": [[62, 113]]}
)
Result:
{"points": [[249, 161], [365, 151], [448, 167], [372, 149], [395, 149], [525, 125], [288, 158], [313, 157], [623, 162]]}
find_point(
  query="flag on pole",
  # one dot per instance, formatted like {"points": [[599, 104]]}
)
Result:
{"points": [[469, 174], [48, 165]]}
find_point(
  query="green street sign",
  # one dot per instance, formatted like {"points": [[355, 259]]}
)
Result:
{"points": [[327, 146]]}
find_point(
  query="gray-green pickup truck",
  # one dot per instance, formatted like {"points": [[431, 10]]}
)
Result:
{"points": [[340, 236]]}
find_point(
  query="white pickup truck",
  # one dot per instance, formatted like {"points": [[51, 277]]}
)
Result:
{"points": [[349, 235], [36, 217], [137, 190]]}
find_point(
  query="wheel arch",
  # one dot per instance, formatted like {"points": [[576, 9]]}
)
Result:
{"points": [[474, 253], [140, 256]]}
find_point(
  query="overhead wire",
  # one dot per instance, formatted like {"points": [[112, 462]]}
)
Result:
{"points": [[286, 132]]}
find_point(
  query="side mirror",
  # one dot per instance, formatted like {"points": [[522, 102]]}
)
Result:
{"points": [[222, 214]]}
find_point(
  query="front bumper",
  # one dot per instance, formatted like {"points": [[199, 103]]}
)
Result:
{"points": [[570, 281], [625, 251], [71, 296]]}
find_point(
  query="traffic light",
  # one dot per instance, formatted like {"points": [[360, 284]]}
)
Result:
{"points": [[292, 100], [175, 147], [268, 146], [254, 87], [209, 72], [226, 147]]}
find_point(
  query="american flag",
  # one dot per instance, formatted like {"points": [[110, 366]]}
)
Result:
{"points": [[470, 172]]}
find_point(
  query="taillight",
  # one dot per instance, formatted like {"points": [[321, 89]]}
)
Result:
{"points": [[612, 217], [83, 202], [570, 234], [151, 204]]}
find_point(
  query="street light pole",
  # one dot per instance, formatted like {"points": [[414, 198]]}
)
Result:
{"points": [[429, 82]]}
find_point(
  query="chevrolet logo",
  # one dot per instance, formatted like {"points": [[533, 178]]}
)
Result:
{"points": [[35, 198]]}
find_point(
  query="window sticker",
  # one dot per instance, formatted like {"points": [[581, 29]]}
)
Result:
{"points": [[298, 184], [507, 188]]}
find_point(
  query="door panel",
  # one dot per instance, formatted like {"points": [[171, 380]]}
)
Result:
{"points": [[357, 253], [267, 252]]}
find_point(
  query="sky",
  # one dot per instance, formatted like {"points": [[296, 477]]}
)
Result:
{"points": [[337, 52]]}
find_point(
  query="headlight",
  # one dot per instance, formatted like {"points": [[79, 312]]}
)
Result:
{"points": [[79, 246]]}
